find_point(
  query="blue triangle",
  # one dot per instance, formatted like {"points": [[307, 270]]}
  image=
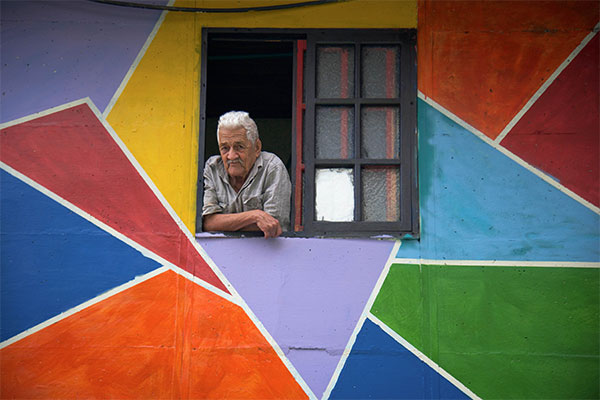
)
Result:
{"points": [[52, 259], [378, 367], [478, 204]]}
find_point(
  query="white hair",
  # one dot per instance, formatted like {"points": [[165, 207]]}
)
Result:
{"points": [[238, 119]]}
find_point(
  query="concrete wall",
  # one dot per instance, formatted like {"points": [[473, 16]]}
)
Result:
{"points": [[106, 293]]}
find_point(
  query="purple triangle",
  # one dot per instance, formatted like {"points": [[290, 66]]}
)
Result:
{"points": [[308, 293]]}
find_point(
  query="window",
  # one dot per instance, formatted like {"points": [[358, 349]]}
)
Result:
{"points": [[338, 107]]}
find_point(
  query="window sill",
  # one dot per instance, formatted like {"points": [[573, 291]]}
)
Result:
{"points": [[305, 235]]}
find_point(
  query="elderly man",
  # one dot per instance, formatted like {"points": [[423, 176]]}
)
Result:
{"points": [[244, 188]]}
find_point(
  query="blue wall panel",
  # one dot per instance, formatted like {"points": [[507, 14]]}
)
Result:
{"points": [[381, 368], [478, 204]]}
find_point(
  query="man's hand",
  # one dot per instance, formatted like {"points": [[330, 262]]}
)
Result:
{"points": [[266, 223], [246, 221]]}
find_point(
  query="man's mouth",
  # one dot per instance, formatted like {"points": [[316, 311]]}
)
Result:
{"points": [[229, 163]]}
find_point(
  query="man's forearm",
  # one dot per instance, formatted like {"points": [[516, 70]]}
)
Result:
{"points": [[245, 221], [230, 222]]}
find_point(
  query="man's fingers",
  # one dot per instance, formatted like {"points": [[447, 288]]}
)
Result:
{"points": [[272, 230], [269, 225]]}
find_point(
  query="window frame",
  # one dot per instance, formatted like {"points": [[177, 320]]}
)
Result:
{"points": [[303, 129], [406, 102]]}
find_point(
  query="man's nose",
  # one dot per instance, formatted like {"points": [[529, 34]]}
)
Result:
{"points": [[232, 154]]}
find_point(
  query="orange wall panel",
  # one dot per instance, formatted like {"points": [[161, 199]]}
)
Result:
{"points": [[166, 337]]}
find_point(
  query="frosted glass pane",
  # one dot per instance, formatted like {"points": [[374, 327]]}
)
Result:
{"points": [[380, 71], [335, 72], [380, 132], [334, 194], [335, 132], [380, 193]]}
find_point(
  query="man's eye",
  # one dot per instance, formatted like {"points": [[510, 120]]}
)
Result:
{"points": [[239, 147], [224, 149]]}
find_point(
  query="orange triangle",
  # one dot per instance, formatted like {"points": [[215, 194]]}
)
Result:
{"points": [[166, 337]]}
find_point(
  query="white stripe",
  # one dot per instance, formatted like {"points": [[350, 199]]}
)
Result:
{"points": [[423, 357], [136, 62], [546, 84], [499, 263], [143, 250], [546, 178], [361, 321], [44, 113], [82, 306]]}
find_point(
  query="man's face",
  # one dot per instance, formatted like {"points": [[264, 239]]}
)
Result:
{"points": [[237, 152]]}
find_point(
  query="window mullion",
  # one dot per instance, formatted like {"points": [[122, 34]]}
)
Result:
{"points": [[298, 144], [407, 122], [357, 135], [310, 115]]}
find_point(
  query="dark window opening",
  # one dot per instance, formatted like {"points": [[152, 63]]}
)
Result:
{"points": [[254, 76]]}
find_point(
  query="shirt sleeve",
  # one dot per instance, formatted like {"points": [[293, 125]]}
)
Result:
{"points": [[277, 193], [211, 202]]}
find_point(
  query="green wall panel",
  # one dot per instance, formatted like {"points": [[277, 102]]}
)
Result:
{"points": [[504, 332]]}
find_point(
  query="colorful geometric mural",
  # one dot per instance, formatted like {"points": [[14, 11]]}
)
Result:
{"points": [[163, 338], [380, 367], [153, 121], [536, 45], [55, 52], [52, 259], [485, 88], [478, 204], [98, 226], [104, 292], [559, 133], [309, 294], [503, 331], [71, 153]]}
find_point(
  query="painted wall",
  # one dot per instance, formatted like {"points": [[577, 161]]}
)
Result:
{"points": [[106, 293]]}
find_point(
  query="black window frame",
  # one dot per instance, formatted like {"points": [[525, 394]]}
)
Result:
{"points": [[306, 226]]}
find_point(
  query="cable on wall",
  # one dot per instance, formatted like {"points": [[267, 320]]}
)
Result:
{"points": [[215, 10]]}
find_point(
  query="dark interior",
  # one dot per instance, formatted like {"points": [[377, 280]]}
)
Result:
{"points": [[254, 76]]}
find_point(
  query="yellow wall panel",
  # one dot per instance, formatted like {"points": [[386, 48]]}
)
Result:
{"points": [[342, 14]]}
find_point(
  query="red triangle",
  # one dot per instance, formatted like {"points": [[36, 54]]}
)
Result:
{"points": [[560, 133], [71, 153]]}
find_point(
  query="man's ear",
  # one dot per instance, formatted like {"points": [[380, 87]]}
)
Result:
{"points": [[258, 147]]}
